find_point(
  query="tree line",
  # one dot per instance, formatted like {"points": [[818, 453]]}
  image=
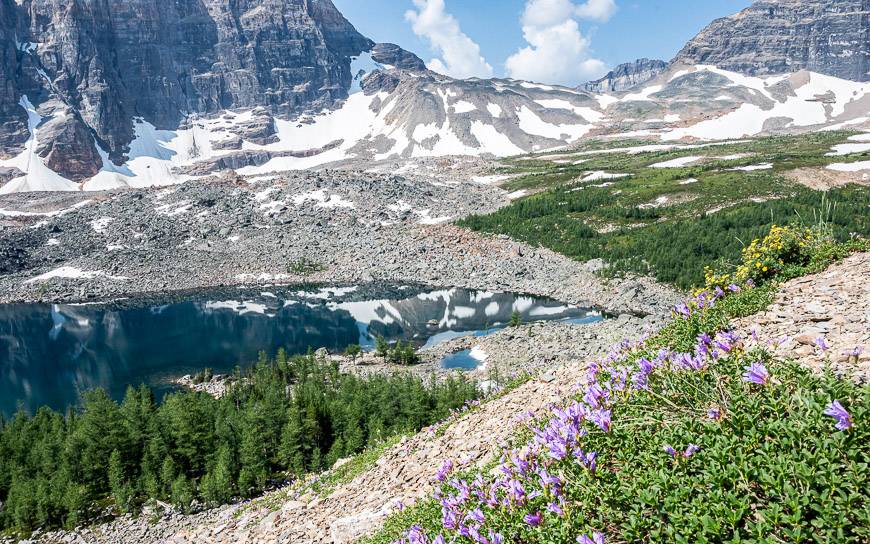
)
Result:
{"points": [[283, 418]]}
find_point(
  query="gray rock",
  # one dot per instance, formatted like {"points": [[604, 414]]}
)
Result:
{"points": [[783, 36], [111, 62], [625, 76], [393, 55]]}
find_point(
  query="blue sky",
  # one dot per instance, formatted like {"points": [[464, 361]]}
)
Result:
{"points": [[610, 34]]}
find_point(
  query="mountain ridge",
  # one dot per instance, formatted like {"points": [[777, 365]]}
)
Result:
{"points": [[626, 76], [831, 37], [151, 94]]}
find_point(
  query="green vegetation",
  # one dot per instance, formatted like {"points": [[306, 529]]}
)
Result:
{"points": [[285, 417], [354, 351], [399, 353], [203, 376], [656, 221], [305, 267], [693, 436]]}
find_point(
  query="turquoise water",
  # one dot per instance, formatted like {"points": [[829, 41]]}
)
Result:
{"points": [[461, 360], [49, 354]]}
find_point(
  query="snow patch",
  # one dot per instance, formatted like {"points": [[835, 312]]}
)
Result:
{"points": [[849, 166], [70, 272], [463, 107], [753, 167], [100, 225], [677, 163], [323, 200]]}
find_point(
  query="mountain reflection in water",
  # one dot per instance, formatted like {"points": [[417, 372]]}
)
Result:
{"points": [[50, 353]]}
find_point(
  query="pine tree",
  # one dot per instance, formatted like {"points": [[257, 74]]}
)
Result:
{"points": [[291, 454], [182, 493], [217, 486], [168, 474], [120, 487], [253, 453], [316, 460], [382, 347]]}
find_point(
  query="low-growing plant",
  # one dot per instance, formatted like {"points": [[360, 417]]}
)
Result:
{"points": [[305, 267]]}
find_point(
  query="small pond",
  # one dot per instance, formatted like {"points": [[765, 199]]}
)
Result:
{"points": [[50, 353]]}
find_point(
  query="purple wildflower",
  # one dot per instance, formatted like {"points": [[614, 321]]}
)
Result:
{"points": [[756, 373], [449, 518], [822, 344], [495, 538], [857, 351], [836, 411], [670, 450], [597, 538], [416, 535], [734, 288], [556, 509], [534, 519], [691, 450], [714, 413], [444, 471], [602, 419], [595, 396], [683, 310], [750, 283], [439, 540], [476, 515]]}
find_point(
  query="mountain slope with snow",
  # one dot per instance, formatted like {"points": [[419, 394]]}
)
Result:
{"points": [[400, 114]]}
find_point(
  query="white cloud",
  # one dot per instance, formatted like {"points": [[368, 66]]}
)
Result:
{"points": [[459, 55], [598, 10], [557, 50]]}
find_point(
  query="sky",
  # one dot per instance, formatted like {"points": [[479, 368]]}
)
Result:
{"points": [[563, 42]]}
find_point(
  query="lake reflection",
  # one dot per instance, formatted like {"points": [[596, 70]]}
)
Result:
{"points": [[49, 353]]}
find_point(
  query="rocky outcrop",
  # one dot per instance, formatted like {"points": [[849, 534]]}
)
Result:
{"points": [[392, 55], [13, 118], [833, 305], [625, 76], [111, 62], [65, 142], [781, 36]]}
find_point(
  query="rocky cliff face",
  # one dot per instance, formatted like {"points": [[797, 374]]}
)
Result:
{"points": [[625, 76], [105, 63], [781, 36], [13, 118]]}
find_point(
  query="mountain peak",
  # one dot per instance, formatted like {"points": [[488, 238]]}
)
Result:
{"points": [[782, 36]]}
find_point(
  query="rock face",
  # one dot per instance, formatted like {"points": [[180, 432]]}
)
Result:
{"points": [[625, 76], [393, 55], [13, 118], [781, 36], [111, 62]]}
